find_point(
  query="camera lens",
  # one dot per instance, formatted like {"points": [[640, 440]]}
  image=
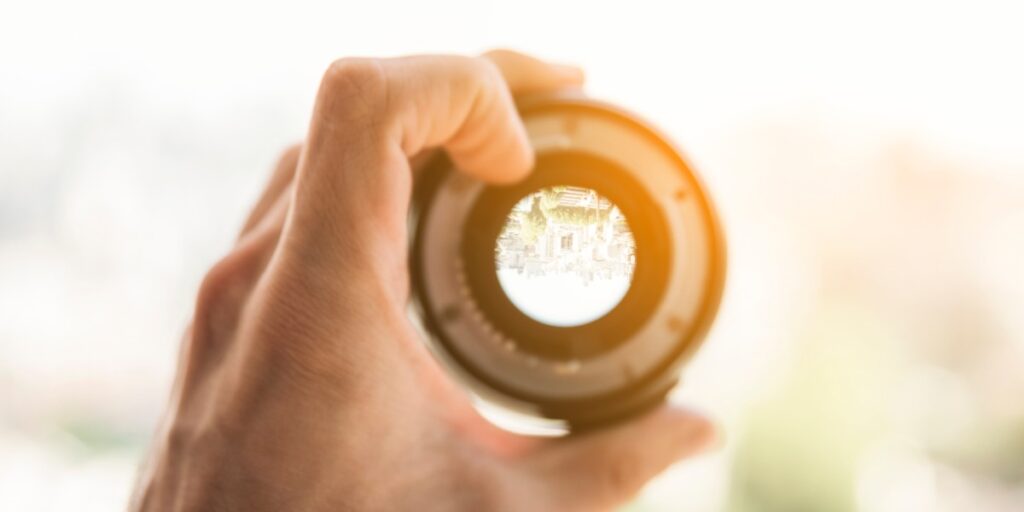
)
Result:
{"points": [[565, 255], [576, 294]]}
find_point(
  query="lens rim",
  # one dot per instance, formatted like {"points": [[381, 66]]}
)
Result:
{"points": [[642, 390], [487, 218]]}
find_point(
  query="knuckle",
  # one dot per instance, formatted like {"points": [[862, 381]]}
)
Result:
{"points": [[222, 291], [487, 71], [355, 78], [215, 285], [478, 76], [469, 69], [290, 154], [499, 55], [496, 52]]}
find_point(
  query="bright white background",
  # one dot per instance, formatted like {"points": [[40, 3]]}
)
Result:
{"points": [[868, 158]]}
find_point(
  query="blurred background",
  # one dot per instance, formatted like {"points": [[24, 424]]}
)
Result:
{"points": [[867, 157]]}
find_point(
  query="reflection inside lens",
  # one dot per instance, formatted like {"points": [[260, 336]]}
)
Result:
{"points": [[565, 256]]}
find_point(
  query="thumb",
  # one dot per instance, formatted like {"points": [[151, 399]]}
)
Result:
{"points": [[603, 469]]}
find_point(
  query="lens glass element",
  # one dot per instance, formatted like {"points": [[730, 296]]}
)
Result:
{"points": [[565, 256]]}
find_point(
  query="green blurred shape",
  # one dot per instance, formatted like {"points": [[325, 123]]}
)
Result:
{"points": [[93, 436], [800, 447]]}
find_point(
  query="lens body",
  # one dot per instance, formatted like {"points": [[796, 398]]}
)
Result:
{"points": [[611, 215]]}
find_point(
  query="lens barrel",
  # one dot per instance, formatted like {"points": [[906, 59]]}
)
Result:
{"points": [[604, 370]]}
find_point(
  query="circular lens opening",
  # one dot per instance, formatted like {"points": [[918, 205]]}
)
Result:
{"points": [[565, 256]]}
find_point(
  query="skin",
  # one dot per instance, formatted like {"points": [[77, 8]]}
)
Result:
{"points": [[301, 385]]}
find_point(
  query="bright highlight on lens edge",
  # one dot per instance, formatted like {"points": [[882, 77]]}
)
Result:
{"points": [[565, 256]]}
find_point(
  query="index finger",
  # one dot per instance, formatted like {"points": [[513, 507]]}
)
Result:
{"points": [[371, 115], [525, 74]]}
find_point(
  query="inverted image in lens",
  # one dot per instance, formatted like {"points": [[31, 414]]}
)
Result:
{"points": [[565, 256]]}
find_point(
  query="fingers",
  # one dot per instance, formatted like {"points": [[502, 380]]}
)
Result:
{"points": [[470, 112], [522, 74], [525, 74], [372, 114], [606, 468]]}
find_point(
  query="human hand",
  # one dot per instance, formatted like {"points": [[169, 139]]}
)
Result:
{"points": [[301, 383]]}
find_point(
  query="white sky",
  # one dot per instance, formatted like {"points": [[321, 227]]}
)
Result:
{"points": [[950, 70], [563, 299]]}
